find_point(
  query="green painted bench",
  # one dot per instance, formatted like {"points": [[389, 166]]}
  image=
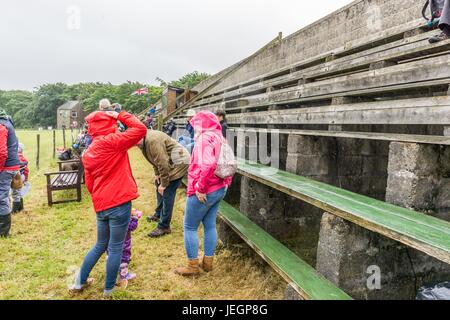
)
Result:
{"points": [[417, 230], [301, 276]]}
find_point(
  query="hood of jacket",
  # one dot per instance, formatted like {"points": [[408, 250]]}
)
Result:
{"points": [[100, 124], [206, 121]]}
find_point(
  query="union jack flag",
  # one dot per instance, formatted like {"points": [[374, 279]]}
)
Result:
{"points": [[140, 92]]}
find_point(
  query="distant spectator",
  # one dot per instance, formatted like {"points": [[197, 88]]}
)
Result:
{"points": [[105, 105], [24, 171], [187, 138], [221, 115], [170, 127], [149, 121], [9, 166], [118, 108]]}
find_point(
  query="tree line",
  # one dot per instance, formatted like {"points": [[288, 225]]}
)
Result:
{"points": [[37, 108]]}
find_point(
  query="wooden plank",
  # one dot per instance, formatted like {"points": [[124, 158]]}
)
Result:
{"points": [[263, 100], [304, 279], [410, 138], [420, 231], [396, 78], [398, 54], [435, 110], [422, 70]]}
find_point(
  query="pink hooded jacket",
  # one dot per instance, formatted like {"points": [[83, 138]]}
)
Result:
{"points": [[208, 141]]}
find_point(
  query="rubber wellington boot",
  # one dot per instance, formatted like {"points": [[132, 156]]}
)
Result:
{"points": [[192, 269], [16, 207], [207, 264], [5, 225]]}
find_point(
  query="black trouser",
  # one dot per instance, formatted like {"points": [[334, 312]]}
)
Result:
{"points": [[166, 203], [5, 225]]}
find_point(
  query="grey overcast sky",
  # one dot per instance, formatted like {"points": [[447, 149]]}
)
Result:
{"points": [[46, 41]]}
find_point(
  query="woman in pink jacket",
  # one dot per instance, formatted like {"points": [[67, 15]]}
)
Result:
{"points": [[205, 191]]}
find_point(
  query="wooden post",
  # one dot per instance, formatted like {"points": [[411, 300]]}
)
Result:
{"points": [[160, 122], [64, 137], [71, 133], [38, 137], [54, 143]]}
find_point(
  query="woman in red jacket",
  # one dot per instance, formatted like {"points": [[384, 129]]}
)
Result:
{"points": [[110, 181]]}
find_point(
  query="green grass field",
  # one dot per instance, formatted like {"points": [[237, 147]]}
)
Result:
{"points": [[48, 244]]}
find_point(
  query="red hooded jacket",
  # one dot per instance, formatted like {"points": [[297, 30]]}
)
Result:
{"points": [[107, 168], [205, 155]]}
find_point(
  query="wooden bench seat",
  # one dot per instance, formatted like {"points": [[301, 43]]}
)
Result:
{"points": [[427, 111], [422, 232], [302, 277], [406, 49], [65, 180], [410, 138]]}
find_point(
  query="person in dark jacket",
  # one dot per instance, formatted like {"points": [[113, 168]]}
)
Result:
{"points": [[9, 166], [221, 116], [170, 127], [444, 22], [110, 182]]}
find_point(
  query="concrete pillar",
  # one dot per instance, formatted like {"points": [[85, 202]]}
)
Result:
{"points": [[362, 263], [419, 179], [312, 157], [362, 166], [351, 256], [413, 175], [266, 207]]}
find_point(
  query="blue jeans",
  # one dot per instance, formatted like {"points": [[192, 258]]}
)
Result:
{"points": [[165, 204], [5, 188], [206, 213], [112, 227]]}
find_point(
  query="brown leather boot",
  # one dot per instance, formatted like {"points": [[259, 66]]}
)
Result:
{"points": [[192, 269], [207, 264]]}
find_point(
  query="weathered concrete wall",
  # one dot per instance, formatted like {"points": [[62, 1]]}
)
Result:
{"points": [[355, 21]]}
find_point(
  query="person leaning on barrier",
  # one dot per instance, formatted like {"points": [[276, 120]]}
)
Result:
{"points": [[170, 127], [170, 161], [187, 138], [221, 115]]}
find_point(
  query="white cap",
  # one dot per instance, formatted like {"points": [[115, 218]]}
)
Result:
{"points": [[191, 113]]}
